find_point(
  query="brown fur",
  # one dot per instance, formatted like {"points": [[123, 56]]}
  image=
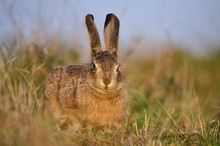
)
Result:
{"points": [[92, 94]]}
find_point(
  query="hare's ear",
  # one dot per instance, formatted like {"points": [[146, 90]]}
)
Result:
{"points": [[95, 42], [111, 33]]}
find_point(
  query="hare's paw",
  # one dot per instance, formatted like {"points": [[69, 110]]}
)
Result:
{"points": [[68, 124], [63, 124]]}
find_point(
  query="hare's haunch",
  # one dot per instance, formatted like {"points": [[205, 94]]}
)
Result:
{"points": [[92, 94]]}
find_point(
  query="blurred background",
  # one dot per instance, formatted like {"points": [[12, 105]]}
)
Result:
{"points": [[146, 26], [169, 53]]}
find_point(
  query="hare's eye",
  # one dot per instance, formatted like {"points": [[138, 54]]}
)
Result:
{"points": [[93, 67], [118, 68]]}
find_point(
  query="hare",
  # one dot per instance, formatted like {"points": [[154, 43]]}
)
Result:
{"points": [[92, 94]]}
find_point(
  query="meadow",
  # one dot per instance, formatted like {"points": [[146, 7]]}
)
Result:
{"points": [[174, 98]]}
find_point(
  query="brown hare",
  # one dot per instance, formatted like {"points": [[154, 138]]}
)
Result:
{"points": [[92, 94]]}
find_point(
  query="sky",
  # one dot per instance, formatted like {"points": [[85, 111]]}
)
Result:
{"points": [[192, 24]]}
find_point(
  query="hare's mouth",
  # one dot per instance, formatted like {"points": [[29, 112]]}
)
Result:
{"points": [[106, 89], [106, 93]]}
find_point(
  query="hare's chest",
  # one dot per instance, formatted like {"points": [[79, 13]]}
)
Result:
{"points": [[94, 108], [102, 112]]}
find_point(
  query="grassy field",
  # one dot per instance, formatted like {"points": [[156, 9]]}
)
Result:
{"points": [[174, 99]]}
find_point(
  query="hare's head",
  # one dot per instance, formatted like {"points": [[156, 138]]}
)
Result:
{"points": [[104, 68]]}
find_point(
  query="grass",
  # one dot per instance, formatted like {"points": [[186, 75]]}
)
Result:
{"points": [[174, 99]]}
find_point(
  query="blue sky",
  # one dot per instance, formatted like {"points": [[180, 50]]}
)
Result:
{"points": [[195, 24]]}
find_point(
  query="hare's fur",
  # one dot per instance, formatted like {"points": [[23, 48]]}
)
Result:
{"points": [[92, 94]]}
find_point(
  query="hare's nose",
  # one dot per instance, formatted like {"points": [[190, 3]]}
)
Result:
{"points": [[106, 81]]}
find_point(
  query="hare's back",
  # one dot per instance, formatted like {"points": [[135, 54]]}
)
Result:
{"points": [[64, 77], [76, 70]]}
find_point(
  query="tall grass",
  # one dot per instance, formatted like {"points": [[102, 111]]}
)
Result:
{"points": [[174, 100]]}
